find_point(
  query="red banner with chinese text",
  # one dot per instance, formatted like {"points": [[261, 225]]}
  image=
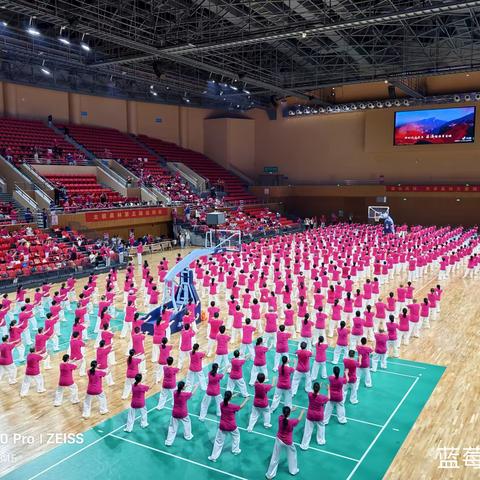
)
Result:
{"points": [[125, 214], [434, 188]]}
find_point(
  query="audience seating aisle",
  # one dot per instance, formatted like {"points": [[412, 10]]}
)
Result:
{"points": [[216, 174]]}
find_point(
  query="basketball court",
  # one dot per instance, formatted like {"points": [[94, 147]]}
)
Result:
{"points": [[363, 448]]}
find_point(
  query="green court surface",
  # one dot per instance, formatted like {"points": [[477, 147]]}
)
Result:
{"points": [[362, 449]]}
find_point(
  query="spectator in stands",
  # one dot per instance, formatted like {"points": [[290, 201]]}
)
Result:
{"points": [[129, 181], [28, 216], [44, 218]]}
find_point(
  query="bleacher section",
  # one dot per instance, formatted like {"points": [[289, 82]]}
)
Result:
{"points": [[107, 142], [32, 141], [202, 165], [85, 191]]}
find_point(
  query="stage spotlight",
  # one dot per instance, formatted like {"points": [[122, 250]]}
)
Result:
{"points": [[33, 31], [4, 23], [379, 104], [362, 106], [85, 46], [397, 103], [307, 110], [388, 103], [467, 97], [291, 113], [329, 109], [353, 106], [314, 111], [477, 97], [64, 40], [45, 70], [370, 105], [456, 98], [406, 103], [298, 111], [337, 109], [345, 108], [321, 110]]}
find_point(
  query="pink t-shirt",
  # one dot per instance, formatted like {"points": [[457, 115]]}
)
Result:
{"points": [[316, 405], [336, 388], [222, 343], [138, 395], [342, 339], [247, 334], [350, 365], [282, 342], [284, 377], [132, 367], [237, 366], [196, 361], [66, 374], [381, 343], [260, 359], [227, 418], [213, 387], [169, 377], [95, 382], [285, 432], [261, 394], [321, 352], [364, 352], [303, 364], [33, 364], [180, 404]]}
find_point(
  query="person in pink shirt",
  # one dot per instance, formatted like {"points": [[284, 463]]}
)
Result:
{"points": [[187, 338], [235, 378], [213, 391], [341, 347], [380, 354], [283, 388], [237, 324], [336, 397], [289, 320], [284, 442], [246, 348], [350, 371], [259, 361], [320, 322], [221, 357], [137, 404], [168, 384], [425, 314], [302, 370], [335, 318], [214, 324], [260, 403], [7, 365], [77, 352], [403, 331], [195, 373], [315, 412], [102, 354], [392, 343], [357, 330], [67, 367], [320, 360], [269, 335], [180, 414], [33, 373], [94, 390], [364, 352], [133, 362], [255, 315], [227, 426], [306, 331], [139, 253], [281, 346]]}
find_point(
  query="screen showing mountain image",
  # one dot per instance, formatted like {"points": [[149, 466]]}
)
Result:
{"points": [[435, 126]]}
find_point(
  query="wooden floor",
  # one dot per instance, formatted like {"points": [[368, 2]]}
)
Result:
{"points": [[450, 419]]}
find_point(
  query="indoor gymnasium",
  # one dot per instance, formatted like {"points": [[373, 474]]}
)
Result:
{"points": [[239, 239]]}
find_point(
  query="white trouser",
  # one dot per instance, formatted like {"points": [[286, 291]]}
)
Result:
{"points": [[353, 387], [277, 397], [87, 404], [340, 409], [297, 377], [269, 339], [27, 380], [206, 403], [339, 351], [236, 333], [291, 452], [255, 371], [59, 394], [240, 383], [403, 337], [316, 367], [20, 348], [210, 346], [222, 361], [10, 371], [164, 394], [393, 346], [379, 357], [173, 429], [196, 376], [354, 341], [139, 259], [255, 413], [127, 388], [308, 430], [365, 373], [276, 361], [126, 329], [158, 373], [247, 349], [220, 441]]}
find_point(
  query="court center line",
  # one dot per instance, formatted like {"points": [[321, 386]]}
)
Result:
{"points": [[362, 458], [393, 373], [163, 452], [273, 437]]}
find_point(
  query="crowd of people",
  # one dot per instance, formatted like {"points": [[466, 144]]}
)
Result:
{"points": [[344, 286]]}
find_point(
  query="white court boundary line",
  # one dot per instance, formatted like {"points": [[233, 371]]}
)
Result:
{"points": [[163, 452], [64, 459], [362, 458]]}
